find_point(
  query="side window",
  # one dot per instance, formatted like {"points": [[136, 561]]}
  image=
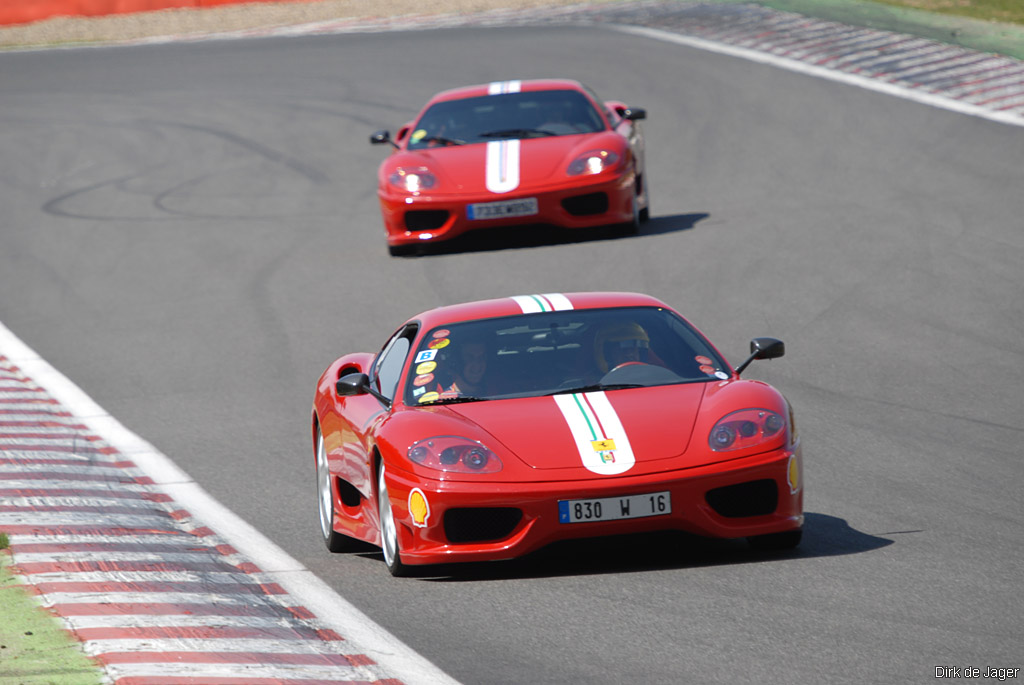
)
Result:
{"points": [[387, 370]]}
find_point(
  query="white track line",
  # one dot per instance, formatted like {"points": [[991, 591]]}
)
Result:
{"points": [[278, 566]]}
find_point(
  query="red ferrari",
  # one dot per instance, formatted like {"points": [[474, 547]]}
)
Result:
{"points": [[512, 153], [484, 431]]}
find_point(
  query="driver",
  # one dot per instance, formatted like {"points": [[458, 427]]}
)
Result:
{"points": [[621, 343]]}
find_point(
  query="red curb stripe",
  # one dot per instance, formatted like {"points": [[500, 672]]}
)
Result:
{"points": [[31, 568], [233, 658], [156, 548], [57, 475], [92, 530], [212, 589], [14, 461], [299, 633], [84, 492], [84, 449], [29, 435], [22, 400], [158, 609], [178, 680], [95, 509], [43, 424]]}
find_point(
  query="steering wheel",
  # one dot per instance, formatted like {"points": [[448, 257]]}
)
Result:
{"points": [[625, 364]]}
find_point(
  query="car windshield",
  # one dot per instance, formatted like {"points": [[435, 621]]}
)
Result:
{"points": [[558, 352], [530, 114]]}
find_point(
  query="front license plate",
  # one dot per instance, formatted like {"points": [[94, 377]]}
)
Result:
{"points": [[614, 508], [500, 210]]}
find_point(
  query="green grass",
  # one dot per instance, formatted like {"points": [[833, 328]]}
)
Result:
{"points": [[1006, 11], [35, 649]]}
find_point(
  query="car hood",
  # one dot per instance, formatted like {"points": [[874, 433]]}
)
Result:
{"points": [[639, 430], [538, 163]]}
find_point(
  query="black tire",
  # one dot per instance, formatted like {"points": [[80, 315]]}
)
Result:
{"points": [[389, 530], [335, 541], [401, 250], [776, 542]]}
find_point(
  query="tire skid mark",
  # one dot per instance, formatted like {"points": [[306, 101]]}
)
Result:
{"points": [[154, 595]]}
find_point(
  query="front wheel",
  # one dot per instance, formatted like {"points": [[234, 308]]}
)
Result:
{"points": [[389, 530], [335, 541]]}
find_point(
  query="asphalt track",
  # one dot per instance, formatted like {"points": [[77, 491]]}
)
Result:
{"points": [[190, 233]]}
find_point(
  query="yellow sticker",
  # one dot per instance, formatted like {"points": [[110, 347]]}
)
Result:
{"points": [[439, 343], [419, 135], [425, 367], [603, 445], [418, 508], [429, 397]]}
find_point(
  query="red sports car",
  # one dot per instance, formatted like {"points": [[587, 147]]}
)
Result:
{"points": [[512, 153], [484, 431]]}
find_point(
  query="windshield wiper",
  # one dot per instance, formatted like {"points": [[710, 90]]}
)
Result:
{"points": [[456, 400], [597, 386], [517, 133], [442, 140]]}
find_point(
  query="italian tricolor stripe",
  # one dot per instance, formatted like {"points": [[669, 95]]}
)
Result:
{"points": [[550, 302], [600, 438]]}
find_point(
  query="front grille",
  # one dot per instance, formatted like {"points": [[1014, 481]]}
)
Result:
{"points": [[754, 498], [480, 524], [425, 219], [583, 205]]}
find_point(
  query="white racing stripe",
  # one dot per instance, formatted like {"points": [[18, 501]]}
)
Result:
{"points": [[255, 645], [548, 302], [502, 162], [502, 166], [600, 438], [184, 621]]}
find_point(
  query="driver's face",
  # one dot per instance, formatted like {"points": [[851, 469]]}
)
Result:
{"points": [[474, 362], [621, 355]]}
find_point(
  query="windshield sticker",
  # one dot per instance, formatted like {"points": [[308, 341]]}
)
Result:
{"points": [[419, 135], [422, 379], [595, 426], [701, 359], [710, 370], [550, 302], [722, 375], [419, 509], [418, 391], [426, 356], [429, 397], [439, 343], [443, 333], [425, 367]]}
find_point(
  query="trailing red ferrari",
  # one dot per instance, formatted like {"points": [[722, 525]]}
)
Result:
{"points": [[484, 431], [512, 153]]}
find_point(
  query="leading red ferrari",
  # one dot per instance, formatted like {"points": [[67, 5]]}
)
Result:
{"points": [[484, 431], [512, 153]]}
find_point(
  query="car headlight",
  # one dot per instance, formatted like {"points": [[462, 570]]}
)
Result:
{"points": [[745, 428], [412, 179], [453, 453], [593, 162]]}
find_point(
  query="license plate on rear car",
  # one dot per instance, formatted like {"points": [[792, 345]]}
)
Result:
{"points": [[500, 210], [614, 508]]}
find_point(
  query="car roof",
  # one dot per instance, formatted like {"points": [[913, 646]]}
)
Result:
{"points": [[524, 86], [522, 304]]}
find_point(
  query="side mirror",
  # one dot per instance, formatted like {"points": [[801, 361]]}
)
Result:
{"points": [[634, 114], [382, 138], [763, 348], [352, 384]]}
